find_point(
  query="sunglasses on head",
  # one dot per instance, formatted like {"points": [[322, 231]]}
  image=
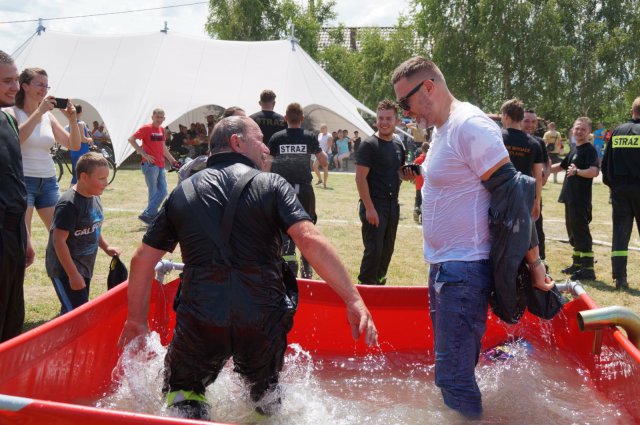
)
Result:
{"points": [[403, 102]]}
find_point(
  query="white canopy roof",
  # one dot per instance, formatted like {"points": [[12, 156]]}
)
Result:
{"points": [[125, 77]]}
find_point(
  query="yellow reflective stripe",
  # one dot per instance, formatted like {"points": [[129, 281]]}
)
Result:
{"points": [[586, 254], [290, 257], [182, 395], [625, 141], [619, 253]]}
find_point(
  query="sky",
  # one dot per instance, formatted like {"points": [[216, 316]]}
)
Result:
{"points": [[188, 20]]}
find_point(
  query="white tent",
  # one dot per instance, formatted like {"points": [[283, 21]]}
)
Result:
{"points": [[125, 77]]}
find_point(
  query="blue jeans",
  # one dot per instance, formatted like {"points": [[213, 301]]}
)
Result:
{"points": [[458, 301], [157, 186]]}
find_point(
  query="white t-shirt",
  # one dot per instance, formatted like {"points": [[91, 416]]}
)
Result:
{"points": [[323, 140], [36, 150], [455, 204]]}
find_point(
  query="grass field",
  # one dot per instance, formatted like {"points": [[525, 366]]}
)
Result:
{"points": [[338, 220]]}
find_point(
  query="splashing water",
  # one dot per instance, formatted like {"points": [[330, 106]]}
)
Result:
{"points": [[525, 386]]}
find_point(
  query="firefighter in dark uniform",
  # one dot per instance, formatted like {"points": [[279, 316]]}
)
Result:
{"points": [[582, 167], [233, 302], [621, 172], [378, 178], [269, 121], [291, 150], [16, 252]]}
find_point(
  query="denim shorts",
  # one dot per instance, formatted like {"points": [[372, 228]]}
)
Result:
{"points": [[42, 192]]}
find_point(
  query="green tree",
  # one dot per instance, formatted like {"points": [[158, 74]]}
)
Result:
{"points": [[366, 72], [564, 57], [258, 20]]}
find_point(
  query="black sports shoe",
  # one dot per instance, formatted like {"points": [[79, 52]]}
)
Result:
{"points": [[146, 220], [584, 274]]}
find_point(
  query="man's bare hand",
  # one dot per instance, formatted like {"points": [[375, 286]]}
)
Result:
{"points": [[539, 279], [131, 331], [361, 322], [372, 217], [76, 282]]}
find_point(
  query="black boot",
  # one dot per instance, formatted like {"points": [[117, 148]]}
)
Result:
{"points": [[619, 271], [621, 282], [586, 271], [573, 267]]}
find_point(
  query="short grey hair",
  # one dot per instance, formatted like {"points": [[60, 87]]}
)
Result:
{"points": [[416, 65], [226, 128]]}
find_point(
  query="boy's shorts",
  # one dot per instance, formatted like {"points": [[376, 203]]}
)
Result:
{"points": [[42, 192]]}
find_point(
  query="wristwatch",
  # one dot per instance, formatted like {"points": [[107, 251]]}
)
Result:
{"points": [[535, 264]]}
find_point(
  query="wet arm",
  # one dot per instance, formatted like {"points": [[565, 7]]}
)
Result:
{"points": [[142, 269], [325, 260]]}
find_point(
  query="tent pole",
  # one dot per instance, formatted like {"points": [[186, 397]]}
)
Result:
{"points": [[41, 27]]}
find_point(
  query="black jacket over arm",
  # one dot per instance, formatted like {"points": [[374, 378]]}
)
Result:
{"points": [[513, 233]]}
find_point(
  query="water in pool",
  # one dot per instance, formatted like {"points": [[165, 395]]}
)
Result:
{"points": [[520, 385]]}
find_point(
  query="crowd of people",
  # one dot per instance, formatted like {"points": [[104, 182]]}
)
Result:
{"points": [[238, 290]]}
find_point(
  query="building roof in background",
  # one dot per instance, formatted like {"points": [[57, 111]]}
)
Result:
{"points": [[350, 36]]}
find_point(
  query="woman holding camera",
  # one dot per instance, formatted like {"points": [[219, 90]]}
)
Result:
{"points": [[38, 131]]}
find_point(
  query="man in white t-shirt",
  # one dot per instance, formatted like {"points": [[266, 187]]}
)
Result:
{"points": [[466, 149]]}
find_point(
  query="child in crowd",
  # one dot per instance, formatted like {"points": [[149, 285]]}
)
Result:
{"points": [[76, 233], [417, 210]]}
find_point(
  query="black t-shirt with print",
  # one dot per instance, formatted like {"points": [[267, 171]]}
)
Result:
{"points": [[82, 217], [270, 123], [291, 150], [523, 150]]}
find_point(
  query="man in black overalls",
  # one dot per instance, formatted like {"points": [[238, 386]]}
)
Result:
{"points": [[16, 252], [621, 172], [233, 302]]}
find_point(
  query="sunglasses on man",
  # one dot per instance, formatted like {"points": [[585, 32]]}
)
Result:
{"points": [[403, 102]]}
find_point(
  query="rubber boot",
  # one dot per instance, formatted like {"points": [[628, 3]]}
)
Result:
{"points": [[587, 271], [191, 409], [619, 271], [573, 267], [621, 282], [188, 404]]}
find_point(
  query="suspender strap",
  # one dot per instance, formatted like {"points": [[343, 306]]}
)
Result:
{"points": [[224, 227], [230, 210], [11, 123]]}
